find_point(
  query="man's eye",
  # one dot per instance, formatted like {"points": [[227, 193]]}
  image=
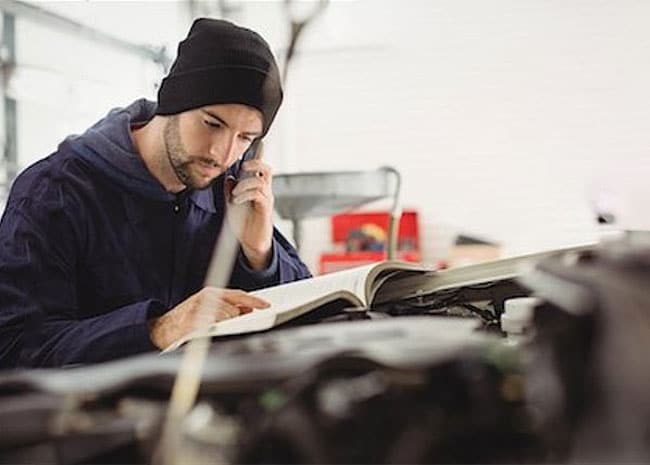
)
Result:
{"points": [[248, 139], [212, 124]]}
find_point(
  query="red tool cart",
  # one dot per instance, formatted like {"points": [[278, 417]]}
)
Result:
{"points": [[360, 238]]}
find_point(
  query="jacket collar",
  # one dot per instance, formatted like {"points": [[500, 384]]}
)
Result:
{"points": [[204, 199]]}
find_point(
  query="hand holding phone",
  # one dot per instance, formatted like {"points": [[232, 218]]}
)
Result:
{"points": [[255, 152], [250, 206]]}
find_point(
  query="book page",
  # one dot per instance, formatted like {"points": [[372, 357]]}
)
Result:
{"points": [[289, 295], [359, 281], [387, 270], [295, 295], [291, 300], [390, 278], [406, 286]]}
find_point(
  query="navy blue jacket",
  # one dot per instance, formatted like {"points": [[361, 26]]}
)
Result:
{"points": [[92, 246]]}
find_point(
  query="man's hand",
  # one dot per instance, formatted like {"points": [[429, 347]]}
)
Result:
{"points": [[205, 307], [250, 210]]}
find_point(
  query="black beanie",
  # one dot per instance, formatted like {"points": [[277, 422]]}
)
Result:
{"points": [[220, 62]]}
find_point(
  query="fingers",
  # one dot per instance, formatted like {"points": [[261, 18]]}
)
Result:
{"points": [[245, 310], [255, 187], [199, 311], [222, 304], [230, 311], [231, 305], [242, 298], [225, 311], [256, 169], [250, 196], [229, 185]]}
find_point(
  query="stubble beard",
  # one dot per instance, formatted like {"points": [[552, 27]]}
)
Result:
{"points": [[178, 157]]}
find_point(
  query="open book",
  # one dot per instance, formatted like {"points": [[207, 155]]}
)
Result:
{"points": [[363, 286]]}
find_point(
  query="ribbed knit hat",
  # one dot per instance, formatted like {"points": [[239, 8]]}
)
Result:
{"points": [[220, 62]]}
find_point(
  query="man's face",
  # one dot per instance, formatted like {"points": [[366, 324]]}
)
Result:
{"points": [[201, 144]]}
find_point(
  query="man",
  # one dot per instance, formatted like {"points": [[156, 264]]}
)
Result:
{"points": [[104, 244]]}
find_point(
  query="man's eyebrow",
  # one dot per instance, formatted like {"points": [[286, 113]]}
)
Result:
{"points": [[222, 121]]}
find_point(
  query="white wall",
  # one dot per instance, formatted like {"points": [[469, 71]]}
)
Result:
{"points": [[63, 82], [500, 115]]}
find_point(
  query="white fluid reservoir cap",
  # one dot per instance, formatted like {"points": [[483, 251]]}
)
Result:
{"points": [[518, 314]]}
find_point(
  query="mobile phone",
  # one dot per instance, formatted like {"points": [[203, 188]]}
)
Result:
{"points": [[253, 152]]}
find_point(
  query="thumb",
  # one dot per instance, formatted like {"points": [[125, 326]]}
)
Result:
{"points": [[228, 186]]}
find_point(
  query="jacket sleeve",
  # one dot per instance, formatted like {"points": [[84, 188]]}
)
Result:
{"points": [[285, 266], [40, 322]]}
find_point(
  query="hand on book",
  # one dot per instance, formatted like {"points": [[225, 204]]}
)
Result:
{"points": [[200, 310]]}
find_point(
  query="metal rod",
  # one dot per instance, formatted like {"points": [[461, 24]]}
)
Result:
{"points": [[57, 21], [10, 134], [296, 28], [188, 380], [395, 215], [297, 233]]}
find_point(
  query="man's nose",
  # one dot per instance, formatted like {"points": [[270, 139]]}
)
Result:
{"points": [[224, 150]]}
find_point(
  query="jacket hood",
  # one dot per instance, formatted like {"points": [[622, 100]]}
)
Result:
{"points": [[109, 148]]}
